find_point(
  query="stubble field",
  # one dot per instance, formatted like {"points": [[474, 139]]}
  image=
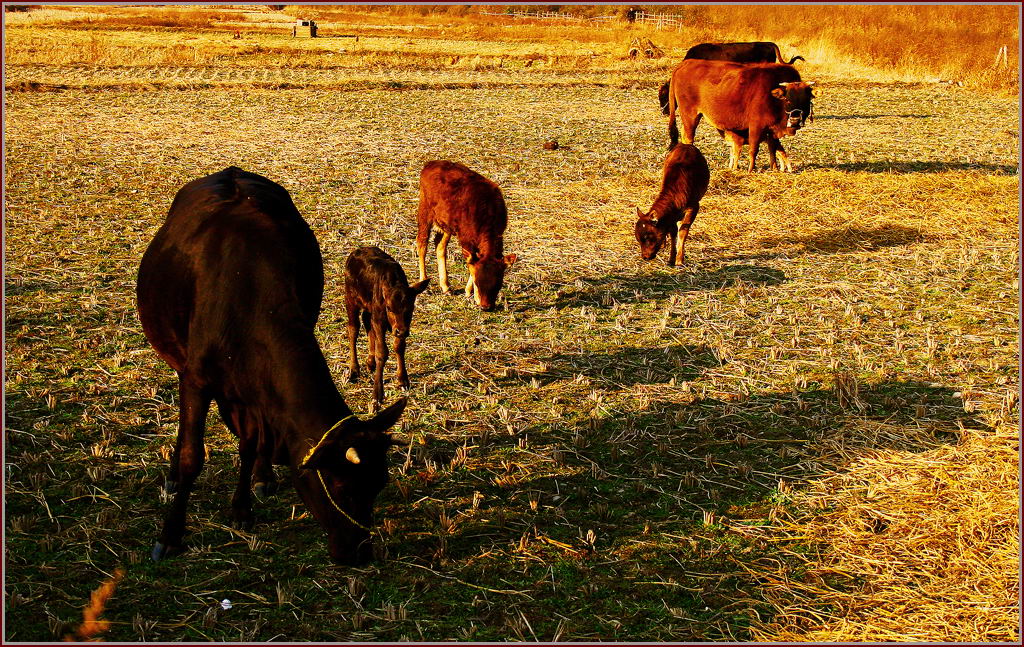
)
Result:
{"points": [[807, 432]]}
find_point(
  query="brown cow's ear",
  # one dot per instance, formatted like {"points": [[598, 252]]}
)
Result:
{"points": [[417, 288], [509, 259], [778, 93]]}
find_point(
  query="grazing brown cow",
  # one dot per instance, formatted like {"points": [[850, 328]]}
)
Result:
{"points": [[377, 291], [684, 181], [462, 203], [228, 294], [762, 52], [745, 102]]}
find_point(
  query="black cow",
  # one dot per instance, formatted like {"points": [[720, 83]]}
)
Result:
{"points": [[758, 52], [229, 292]]}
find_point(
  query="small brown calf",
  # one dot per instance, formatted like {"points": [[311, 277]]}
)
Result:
{"points": [[463, 203], [684, 181], [377, 291]]}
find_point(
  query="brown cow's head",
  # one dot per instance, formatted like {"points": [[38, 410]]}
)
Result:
{"points": [[343, 474], [401, 301], [796, 99], [649, 235], [488, 275]]}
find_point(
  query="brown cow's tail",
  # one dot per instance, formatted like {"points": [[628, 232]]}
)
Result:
{"points": [[673, 130]]}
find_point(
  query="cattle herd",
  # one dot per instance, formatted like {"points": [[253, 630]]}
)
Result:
{"points": [[231, 286]]}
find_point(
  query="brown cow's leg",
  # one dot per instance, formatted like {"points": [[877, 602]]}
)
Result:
{"points": [[755, 143], [188, 462], [684, 230], [735, 142], [353, 333], [380, 352], [400, 375], [442, 262], [371, 341]]}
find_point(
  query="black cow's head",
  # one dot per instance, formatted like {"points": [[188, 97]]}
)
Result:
{"points": [[343, 473], [649, 235], [796, 99], [401, 301]]}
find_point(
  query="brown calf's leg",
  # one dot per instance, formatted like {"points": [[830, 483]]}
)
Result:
{"points": [[735, 148], [371, 341], [188, 462], [684, 230], [755, 143], [442, 262], [786, 166], [690, 127], [672, 246], [400, 374], [422, 236], [380, 355], [353, 333]]}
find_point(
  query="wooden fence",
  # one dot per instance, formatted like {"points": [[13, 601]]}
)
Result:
{"points": [[657, 20]]}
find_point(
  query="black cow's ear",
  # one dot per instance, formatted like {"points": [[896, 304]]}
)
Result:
{"points": [[387, 418], [317, 452], [417, 288]]}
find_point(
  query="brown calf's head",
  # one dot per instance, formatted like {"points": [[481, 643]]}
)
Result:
{"points": [[650, 237], [488, 275], [344, 472], [401, 301], [796, 99]]}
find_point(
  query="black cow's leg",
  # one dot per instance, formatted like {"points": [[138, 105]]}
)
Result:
{"points": [[241, 502], [264, 479], [755, 143], [190, 455], [684, 230], [353, 334]]}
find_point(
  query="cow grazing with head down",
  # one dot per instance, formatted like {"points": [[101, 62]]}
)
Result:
{"points": [[377, 292], [462, 203], [745, 102], [228, 293], [684, 181], [758, 52]]}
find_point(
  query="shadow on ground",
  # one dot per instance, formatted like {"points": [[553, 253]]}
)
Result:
{"points": [[915, 167]]}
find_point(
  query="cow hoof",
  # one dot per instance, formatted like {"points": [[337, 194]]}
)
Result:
{"points": [[245, 525], [352, 377], [170, 487], [161, 551], [263, 490]]}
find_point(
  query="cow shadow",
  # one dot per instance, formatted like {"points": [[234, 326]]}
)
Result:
{"points": [[834, 241], [849, 117], [623, 368], [909, 167], [606, 291]]}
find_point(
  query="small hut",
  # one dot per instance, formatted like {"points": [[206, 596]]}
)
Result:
{"points": [[304, 29]]}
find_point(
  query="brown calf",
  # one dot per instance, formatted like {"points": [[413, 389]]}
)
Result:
{"points": [[463, 203], [684, 181], [377, 291]]}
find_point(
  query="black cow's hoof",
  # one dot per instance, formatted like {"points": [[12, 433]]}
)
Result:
{"points": [[170, 487], [242, 525], [160, 551], [263, 490]]}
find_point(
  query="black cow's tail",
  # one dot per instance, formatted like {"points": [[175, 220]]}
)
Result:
{"points": [[795, 59]]}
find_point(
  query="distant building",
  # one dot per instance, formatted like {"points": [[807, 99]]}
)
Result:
{"points": [[304, 29]]}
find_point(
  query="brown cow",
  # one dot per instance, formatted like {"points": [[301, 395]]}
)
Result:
{"points": [[684, 181], [463, 203], [745, 102], [377, 291], [228, 294]]}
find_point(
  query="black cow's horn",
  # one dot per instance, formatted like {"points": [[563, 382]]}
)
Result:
{"points": [[352, 455]]}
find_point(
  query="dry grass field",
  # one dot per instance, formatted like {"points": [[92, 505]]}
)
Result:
{"points": [[808, 432]]}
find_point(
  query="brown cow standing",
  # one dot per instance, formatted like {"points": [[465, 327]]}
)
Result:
{"points": [[684, 181], [462, 203], [377, 291], [229, 292], [745, 102]]}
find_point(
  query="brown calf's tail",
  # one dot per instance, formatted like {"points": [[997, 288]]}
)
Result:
{"points": [[797, 58]]}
